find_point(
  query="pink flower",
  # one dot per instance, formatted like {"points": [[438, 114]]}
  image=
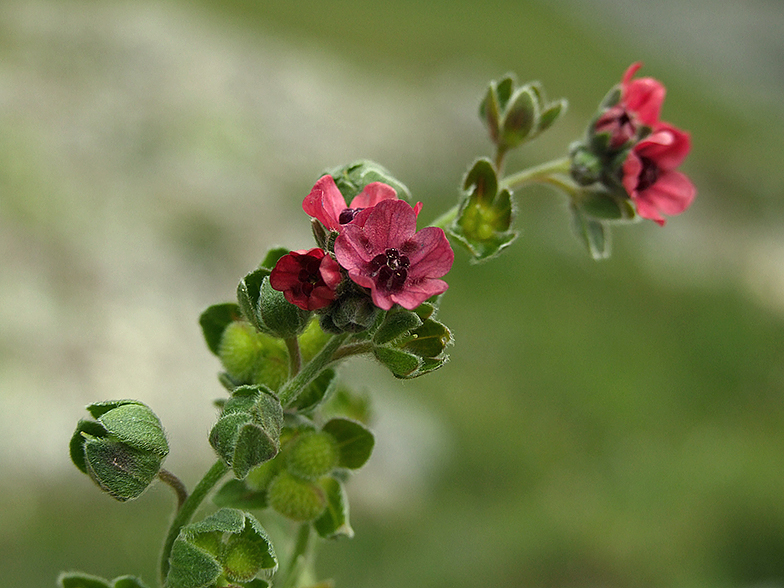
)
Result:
{"points": [[307, 278], [382, 250], [326, 203], [649, 174], [640, 105]]}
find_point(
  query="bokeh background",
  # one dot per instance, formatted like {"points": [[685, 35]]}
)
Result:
{"points": [[615, 424]]}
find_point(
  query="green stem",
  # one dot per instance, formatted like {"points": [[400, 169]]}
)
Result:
{"points": [[443, 221], [176, 484], [540, 173], [295, 359], [188, 509], [299, 557], [289, 392], [353, 349]]}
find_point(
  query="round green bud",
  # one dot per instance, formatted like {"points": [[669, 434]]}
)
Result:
{"points": [[272, 369], [239, 350], [297, 499], [313, 455], [242, 560]]}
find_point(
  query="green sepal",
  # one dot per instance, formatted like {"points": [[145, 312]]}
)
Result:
{"points": [[248, 432], [237, 494], [490, 112], [334, 522], [120, 470], [316, 392], [248, 296], [485, 215], [428, 340], [122, 450], [397, 322], [521, 116], [272, 257], [594, 234], [352, 178], [602, 205], [280, 317], [551, 113], [229, 543], [400, 363], [355, 442], [214, 321]]}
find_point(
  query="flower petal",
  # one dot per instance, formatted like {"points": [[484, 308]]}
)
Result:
{"points": [[372, 194], [325, 203], [415, 294], [432, 256], [388, 224], [672, 193]]}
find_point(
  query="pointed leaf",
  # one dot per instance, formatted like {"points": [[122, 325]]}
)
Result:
{"points": [[482, 181], [551, 114], [429, 340], [237, 494], [248, 296], [398, 362], [396, 323], [594, 234]]}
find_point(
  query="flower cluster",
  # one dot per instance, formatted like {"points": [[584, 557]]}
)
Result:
{"points": [[630, 151], [373, 244]]}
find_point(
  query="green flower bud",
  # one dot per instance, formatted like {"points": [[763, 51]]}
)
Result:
{"points": [[280, 317], [312, 455], [297, 499], [122, 450], [240, 350]]}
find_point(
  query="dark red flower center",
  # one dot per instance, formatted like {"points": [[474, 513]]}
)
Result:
{"points": [[309, 274], [347, 215], [648, 174], [390, 270]]}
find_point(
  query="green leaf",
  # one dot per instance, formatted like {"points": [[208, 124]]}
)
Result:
{"points": [[84, 430], [79, 580], [214, 321], [190, 566], [98, 409], [352, 178], [272, 257], [317, 391], [254, 446], [120, 470], [429, 340], [396, 323], [334, 522], [136, 425], [237, 494], [551, 114], [594, 234], [490, 112], [481, 181], [400, 363], [355, 442], [504, 90], [248, 296]]}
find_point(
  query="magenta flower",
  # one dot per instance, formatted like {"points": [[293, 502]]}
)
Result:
{"points": [[326, 203], [307, 278], [649, 174], [383, 251], [640, 105]]}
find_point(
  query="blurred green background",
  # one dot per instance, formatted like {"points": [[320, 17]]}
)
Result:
{"points": [[614, 424]]}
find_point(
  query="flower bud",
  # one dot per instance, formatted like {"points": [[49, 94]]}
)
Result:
{"points": [[312, 455], [295, 498], [122, 450], [280, 317]]}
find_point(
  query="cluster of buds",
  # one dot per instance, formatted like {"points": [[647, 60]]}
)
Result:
{"points": [[629, 155]]}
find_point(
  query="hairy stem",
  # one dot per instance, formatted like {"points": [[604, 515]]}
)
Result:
{"points": [[295, 359], [289, 392], [188, 509], [176, 484], [540, 173], [299, 557]]}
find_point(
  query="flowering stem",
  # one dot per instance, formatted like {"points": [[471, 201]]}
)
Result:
{"points": [[176, 484], [299, 556], [540, 173], [295, 359], [289, 392], [188, 509]]}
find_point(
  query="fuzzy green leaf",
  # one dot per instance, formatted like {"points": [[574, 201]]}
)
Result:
{"points": [[214, 321], [396, 323], [355, 442], [334, 522], [400, 363], [248, 296], [79, 580]]}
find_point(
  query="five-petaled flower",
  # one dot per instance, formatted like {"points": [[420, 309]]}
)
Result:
{"points": [[640, 105], [382, 250], [649, 174], [326, 204], [307, 278]]}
